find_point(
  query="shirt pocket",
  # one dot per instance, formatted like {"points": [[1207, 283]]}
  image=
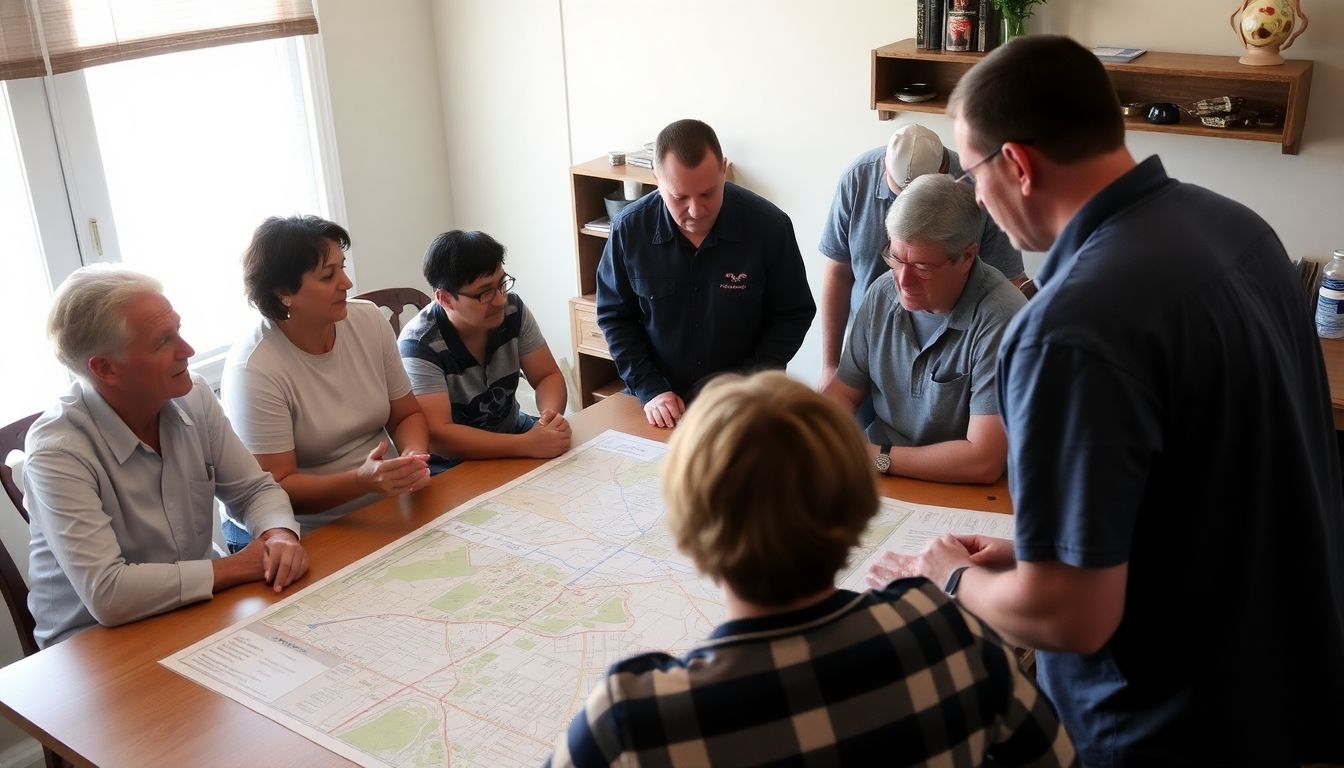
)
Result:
{"points": [[655, 293], [947, 405], [202, 507]]}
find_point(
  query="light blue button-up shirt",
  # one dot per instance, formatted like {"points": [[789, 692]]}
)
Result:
{"points": [[120, 532]]}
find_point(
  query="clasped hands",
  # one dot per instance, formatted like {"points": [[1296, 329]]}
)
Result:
{"points": [[942, 556], [549, 437], [406, 473]]}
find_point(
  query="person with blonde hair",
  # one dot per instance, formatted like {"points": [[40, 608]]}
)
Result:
{"points": [[123, 472], [802, 671]]}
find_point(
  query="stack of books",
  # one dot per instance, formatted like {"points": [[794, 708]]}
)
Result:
{"points": [[957, 25]]}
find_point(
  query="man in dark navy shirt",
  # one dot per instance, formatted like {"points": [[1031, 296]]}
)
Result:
{"points": [[1179, 541], [698, 278]]}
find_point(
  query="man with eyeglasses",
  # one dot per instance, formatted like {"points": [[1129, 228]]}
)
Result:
{"points": [[699, 278], [854, 232], [1178, 557], [465, 352], [924, 342]]}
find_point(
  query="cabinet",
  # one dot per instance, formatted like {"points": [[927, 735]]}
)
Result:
{"points": [[590, 182], [1155, 76]]}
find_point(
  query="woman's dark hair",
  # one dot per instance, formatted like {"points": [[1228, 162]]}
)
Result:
{"points": [[282, 249], [458, 258]]}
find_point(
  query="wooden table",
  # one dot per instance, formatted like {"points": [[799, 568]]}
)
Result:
{"points": [[1333, 350], [102, 698]]}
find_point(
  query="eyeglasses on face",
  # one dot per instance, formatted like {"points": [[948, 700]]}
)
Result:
{"points": [[965, 174], [488, 295], [922, 271]]}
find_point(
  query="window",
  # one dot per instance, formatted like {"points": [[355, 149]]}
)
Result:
{"points": [[32, 376], [168, 163]]}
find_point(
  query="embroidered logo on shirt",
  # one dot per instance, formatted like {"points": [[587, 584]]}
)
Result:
{"points": [[736, 282]]}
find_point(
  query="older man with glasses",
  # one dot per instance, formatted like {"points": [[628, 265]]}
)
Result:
{"points": [[465, 352], [853, 232], [924, 343]]}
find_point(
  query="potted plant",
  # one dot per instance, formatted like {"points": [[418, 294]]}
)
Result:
{"points": [[1015, 15]]}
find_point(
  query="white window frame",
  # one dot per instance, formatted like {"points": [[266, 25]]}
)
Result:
{"points": [[59, 147]]}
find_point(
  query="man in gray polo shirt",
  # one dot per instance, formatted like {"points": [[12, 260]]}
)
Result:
{"points": [[853, 236], [925, 342]]}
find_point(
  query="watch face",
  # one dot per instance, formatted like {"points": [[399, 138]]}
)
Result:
{"points": [[882, 461]]}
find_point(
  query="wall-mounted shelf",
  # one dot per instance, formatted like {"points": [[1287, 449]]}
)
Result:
{"points": [[1155, 76]]}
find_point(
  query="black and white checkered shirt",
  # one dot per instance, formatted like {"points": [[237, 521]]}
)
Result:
{"points": [[901, 676]]}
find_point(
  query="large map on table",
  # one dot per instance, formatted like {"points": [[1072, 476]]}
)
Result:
{"points": [[474, 640]]}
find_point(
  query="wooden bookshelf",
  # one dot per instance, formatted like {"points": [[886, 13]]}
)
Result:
{"points": [[1155, 76], [594, 371]]}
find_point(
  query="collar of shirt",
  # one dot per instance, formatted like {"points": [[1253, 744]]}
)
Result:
{"points": [[1140, 182], [114, 430], [728, 225], [778, 624]]}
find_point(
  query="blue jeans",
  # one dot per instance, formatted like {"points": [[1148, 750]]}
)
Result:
{"points": [[235, 536]]}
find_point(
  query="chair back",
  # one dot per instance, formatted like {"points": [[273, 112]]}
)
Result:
{"points": [[13, 586], [1028, 288], [396, 299]]}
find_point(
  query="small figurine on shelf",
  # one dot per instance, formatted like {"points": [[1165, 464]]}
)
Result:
{"points": [[1267, 27]]}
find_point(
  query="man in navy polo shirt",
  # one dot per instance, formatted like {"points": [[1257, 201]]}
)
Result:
{"points": [[1179, 547], [700, 278]]}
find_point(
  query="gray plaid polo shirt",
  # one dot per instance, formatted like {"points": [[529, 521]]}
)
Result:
{"points": [[901, 676]]}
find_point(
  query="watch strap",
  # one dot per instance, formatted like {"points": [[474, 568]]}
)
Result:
{"points": [[954, 580]]}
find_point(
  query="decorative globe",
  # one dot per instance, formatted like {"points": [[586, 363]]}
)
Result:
{"points": [[1266, 23]]}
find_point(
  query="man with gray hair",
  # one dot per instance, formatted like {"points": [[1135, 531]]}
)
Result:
{"points": [[924, 343], [853, 234], [123, 472]]}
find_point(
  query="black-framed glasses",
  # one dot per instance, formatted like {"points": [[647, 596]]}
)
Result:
{"points": [[965, 174], [488, 295], [922, 271]]}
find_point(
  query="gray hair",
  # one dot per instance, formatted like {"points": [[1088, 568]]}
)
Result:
{"points": [[936, 209], [86, 318]]}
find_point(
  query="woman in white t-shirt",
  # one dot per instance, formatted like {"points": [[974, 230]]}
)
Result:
{"points": [[316, 388]]}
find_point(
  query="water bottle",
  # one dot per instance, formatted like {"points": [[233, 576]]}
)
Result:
{"points": [[1330, 305]]}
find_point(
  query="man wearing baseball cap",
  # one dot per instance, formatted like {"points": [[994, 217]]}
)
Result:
{"points": [[854, 236]]}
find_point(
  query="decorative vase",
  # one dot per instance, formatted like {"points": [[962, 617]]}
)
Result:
{"points": [[1267, 27], [1013, 27]]}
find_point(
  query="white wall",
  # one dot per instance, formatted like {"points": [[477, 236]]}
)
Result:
{"points": [[386, 102], [785, 84]]}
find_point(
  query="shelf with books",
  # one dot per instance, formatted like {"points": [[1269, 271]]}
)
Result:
{"points": [[590, 182], [1156, 76]]}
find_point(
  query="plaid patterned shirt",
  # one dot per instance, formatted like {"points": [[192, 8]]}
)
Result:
{"points": [[901, 676]]}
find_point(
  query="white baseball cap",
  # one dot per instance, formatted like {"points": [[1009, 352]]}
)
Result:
{"points": [[912, 152]]}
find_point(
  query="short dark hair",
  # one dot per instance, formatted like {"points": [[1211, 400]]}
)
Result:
{"points": [[1046, 90], [687, 140], [282, 249], [458, 258]]}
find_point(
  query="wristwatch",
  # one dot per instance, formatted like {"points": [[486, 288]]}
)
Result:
{"points": [[954, 580], [883, 459]]}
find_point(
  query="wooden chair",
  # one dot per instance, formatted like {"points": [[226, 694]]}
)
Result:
{"points": [[1028, 288], [396, 299], [13, 586]]}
